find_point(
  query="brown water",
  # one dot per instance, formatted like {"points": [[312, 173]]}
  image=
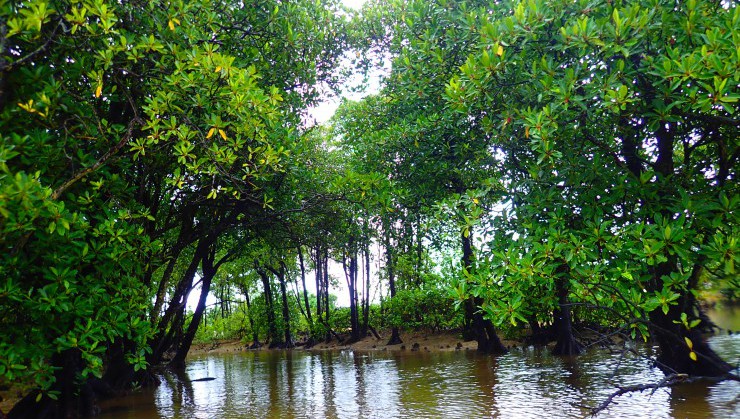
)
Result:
{"points": [[527, 383], [726, 316]]}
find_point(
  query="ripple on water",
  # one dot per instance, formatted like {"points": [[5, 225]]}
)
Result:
{"points": [[527, 383]]}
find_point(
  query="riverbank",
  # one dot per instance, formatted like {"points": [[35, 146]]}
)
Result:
{"points": [[412, 341]]}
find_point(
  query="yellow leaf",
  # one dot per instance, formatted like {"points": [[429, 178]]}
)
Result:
{"points": [[171, 24], [475, 200], [526, 132], [692, 355], [500, 51], [689, 343], [210, 132], [222, 133], [217, 69], [99, 90], [28, 107], [176, 20]]}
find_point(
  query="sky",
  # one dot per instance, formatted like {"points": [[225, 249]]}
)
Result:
{"points": [[355, 4], [325, 110]]}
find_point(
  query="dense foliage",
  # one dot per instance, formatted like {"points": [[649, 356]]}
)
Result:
{"points": [[566, 161], [137, 138], [618, 148]]}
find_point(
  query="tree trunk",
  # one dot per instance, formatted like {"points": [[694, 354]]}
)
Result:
{"points": [[675, 355], [209, 271], [255, 338], [671, 334], [319, 282], [162, 290], [272, 335], [185, 238], [350, 274], [482, 329], [419, 250], [676, 341], [485, 333], [170, 325], [390, 268], [309, 317], [119, 373], [468, 331], [280, 273], [224, 303], [566, 343], [366, 294], [325, 281]]}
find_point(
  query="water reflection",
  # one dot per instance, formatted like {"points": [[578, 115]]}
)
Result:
{"points": [[526, 383]]}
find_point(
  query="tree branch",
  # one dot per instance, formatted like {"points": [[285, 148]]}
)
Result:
{"points": [[713, 119], [82, 173], [670, 380], [9, 66]]}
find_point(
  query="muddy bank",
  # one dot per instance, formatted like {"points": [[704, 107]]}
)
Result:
{"points": [[412, 341]]}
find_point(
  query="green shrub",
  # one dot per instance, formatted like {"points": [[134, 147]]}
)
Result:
{"points": [[422, 308]]}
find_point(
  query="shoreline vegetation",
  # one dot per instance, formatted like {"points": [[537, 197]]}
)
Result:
{"points": [[414, 341], [422, 341], [722, 313]]}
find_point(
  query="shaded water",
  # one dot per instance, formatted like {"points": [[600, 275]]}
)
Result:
{"points": [[725, 316], [523, 384]]}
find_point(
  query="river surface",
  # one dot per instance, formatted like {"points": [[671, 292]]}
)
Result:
{"points": [[526, 383]]}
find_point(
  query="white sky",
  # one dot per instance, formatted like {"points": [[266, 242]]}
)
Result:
{"points": [[355, 4], [325, 110]]}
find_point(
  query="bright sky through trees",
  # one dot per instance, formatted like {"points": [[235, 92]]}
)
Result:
{"points": [[321, 114]]}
